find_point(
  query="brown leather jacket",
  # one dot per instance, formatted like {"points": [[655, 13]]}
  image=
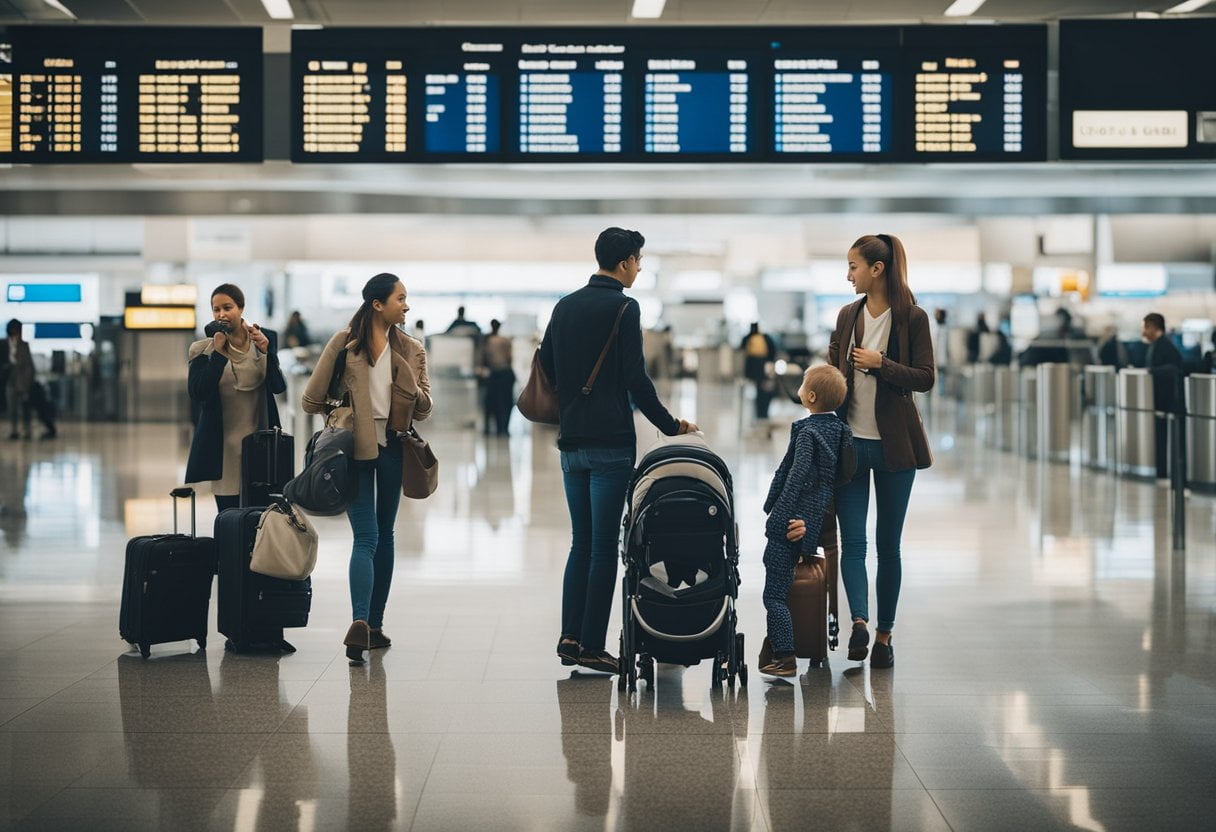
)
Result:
{"points": [[907, 367], [411, 390]]}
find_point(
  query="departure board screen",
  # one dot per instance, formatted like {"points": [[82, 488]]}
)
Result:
{"points": [[655, 94], [462, 110], [572, 99], [977, 92], [697, 106], [1138, 89], [6, 96], [147, 94]]}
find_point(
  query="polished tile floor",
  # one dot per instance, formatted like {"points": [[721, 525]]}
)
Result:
{"points": [[1056, 664]]}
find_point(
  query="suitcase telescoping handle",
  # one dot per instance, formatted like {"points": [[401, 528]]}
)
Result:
{"points": [[177, 493]]}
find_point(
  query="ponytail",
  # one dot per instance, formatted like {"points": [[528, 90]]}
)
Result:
{"points": [[887, 249], [378, 288]]}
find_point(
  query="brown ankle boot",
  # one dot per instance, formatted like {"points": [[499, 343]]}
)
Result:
{"points": [[358, 638], [379, 639]]}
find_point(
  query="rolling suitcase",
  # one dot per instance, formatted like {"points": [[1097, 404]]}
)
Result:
{"points": [[166, 588], [254, 609], [267, 463]]}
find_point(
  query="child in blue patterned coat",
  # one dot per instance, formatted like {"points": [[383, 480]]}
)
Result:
{"points": [[802, 489]]}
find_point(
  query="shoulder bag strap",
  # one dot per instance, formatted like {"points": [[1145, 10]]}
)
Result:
{"points": [[616, 325], [335, 379]]}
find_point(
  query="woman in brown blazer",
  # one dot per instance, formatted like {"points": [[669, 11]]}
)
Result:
{"points": [[388, 388], [882, 345]]}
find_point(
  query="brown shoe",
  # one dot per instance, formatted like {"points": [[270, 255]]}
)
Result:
{"points": [[379, 639], [783, 666], [358, 638]]}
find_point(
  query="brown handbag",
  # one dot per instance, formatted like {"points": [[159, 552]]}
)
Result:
{"points": [[419, 468], [538, 401]]}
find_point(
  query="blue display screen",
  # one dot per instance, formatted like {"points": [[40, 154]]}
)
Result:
{"points": [[462, 111], [44, 293], [57, 330], [831, 105], [571, 106], [690, 109]]}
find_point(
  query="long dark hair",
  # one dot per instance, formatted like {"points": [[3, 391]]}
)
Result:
{"points": [[378, 288], [889, 250]]}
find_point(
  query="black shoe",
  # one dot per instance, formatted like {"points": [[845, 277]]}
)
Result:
{"points": [[882, 656], [49, 434], [14, 435], [568, 650], [600, 660], [859, 643]]}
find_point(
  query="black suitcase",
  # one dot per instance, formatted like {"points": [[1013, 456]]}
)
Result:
{"points": [[267, 463], [253, 608], [166, 588]]}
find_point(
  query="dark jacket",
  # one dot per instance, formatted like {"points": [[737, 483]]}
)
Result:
{"points": [[907, 367], [1164, 363], [577, 332], [804, 484], [206, 461]]}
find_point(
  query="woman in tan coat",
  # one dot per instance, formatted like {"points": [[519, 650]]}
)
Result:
{"points": [[387, 388]]}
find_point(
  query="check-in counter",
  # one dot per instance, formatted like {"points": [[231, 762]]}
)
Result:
{"points": [[1056, 388], [1005, 392], [1028, 417], [1201, 431], [1099, 403], [1137, 455]]}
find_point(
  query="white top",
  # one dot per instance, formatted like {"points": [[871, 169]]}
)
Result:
{"points": [[381, 380], [862, 418]]}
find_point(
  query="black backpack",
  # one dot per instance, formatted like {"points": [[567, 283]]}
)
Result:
{"points": [[329, 481]]}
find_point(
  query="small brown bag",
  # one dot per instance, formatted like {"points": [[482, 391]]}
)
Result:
{"points": [[420, 468], [538, 401]]}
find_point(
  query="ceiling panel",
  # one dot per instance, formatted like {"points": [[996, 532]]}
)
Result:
{"points": [[104, 11], [533, 12]]}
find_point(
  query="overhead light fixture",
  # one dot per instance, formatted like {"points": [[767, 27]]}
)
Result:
{"points": [[648, 8], [59, 7], [963, 8], [279, 9], [1187, 7]]}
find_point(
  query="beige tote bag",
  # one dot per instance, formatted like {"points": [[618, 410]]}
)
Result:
{"points": [[286, 544]]}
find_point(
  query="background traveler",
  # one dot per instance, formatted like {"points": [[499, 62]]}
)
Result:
{"points": [[882, 346], [385, 379], [496, 359], [295, 334], [596, 435], [759, 353], [20, 379], [1164, 363], [234, 377]]}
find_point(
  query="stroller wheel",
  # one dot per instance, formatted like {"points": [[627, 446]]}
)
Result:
{"points": [[743, 674], [646, 669], [719, 670], [621, 676]]}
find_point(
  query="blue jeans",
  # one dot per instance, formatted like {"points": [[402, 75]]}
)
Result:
{"points": [[596, 480], [892, 490], [372, 515]]}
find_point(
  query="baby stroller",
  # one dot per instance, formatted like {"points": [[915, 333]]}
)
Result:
{"points": [[681, 557]]}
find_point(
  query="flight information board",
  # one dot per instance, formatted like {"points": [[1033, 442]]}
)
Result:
{"points": [[127, 94], [6, 95], [977, 93], [572, 99], [697, 106], [1138, 89]]}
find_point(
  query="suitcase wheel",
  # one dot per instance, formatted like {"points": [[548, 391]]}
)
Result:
{"points": [[145, 650]]}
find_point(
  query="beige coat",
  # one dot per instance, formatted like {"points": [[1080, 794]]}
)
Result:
{"points": [[411, 391]]}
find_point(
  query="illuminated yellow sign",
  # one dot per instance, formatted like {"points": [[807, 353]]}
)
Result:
{"points": [[158, 317], [185, 294]]}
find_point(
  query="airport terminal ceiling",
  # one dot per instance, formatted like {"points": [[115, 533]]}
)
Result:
{"points": [[1021, 174]]}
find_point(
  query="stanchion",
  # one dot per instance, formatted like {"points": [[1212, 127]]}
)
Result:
{"points": [[1177, 480]]}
